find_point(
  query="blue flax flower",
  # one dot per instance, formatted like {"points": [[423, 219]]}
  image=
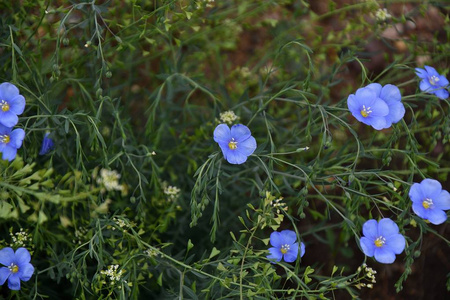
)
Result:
{"points": [[47, 144], [17, 268], [430, 200], [432, 82], [10, 141], [376, 105], [382, 240], [11, 104], [284, 245], [236, 143]]}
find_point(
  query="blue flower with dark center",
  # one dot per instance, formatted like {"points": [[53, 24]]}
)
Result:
{"points": [[236, 143], [285, 246], [17, 267], [11, 104], [432, 82], [430, 201], [376, 105], [382, 240], [47, 144], [10, 141]]}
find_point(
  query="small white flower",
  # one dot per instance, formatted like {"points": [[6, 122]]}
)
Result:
{"points": [[110, 180], [382, 15], [228, 117], [172, 192]]}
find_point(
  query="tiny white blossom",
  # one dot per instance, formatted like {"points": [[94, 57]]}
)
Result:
{"points": [[172, 192], [382, 15], [112, 273], [110, 180], [228, 117]]}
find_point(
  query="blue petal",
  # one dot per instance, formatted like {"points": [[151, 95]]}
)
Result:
{"points": [[387, 228], [390, 93], [442, 201], [421, 73], [222, 134], [443, 81], [275, 254], [442, 93], [8, 91], [367, 246], [378, 123], [431, 71], [17, 104], [425, 86], [419, 210], [375, 87], [436, 216], [240, 132], [353, 105], [384, 255], [365, 96], [9, 153], [396, 243], [235, 157], [430, 188], [14, 282], [276, 239], [26, 271], [22, 256], [17, 136], [302, 249], [47, 145], [4, 274], [379, 108], [247, 147], [8, 118], [415, 193], [7, 256], [292, 253], [288, 237], [370, 229], [396, 112]]}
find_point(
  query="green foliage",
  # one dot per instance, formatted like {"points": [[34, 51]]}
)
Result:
{"points": [[136, 200]]}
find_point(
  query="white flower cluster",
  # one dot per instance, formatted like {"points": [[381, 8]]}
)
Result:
{"points": [[279, 205], [228, 117], [121, 223], [110, 180], [382, 15], [172, 192], [20, 238], [112, 273], [152, 252], [80, 235], [369, 275]]}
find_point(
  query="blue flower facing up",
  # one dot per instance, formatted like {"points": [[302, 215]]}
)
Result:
{"points": [[17, 267], [236, 143], [430, 201], [382, 240], [284, 245], [376, 105], [47, 144], [10, 141], [432, 82], [11, 104]]}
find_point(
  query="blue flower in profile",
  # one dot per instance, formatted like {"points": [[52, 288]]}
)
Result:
{"points": [[11, 104], [236, 143], [432, 82], [10, 141], [47, 144], [430, 201], [17, 268], [382, 240], [376, 105], [284, 245]]}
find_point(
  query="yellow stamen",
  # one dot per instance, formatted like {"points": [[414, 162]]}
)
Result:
{"points": [[427, 203], [4, 105], [232, 145], [15, 269], [365, 112], [284, 251], [379, 242], [4, 139]]}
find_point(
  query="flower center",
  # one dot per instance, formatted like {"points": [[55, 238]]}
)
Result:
{"points": [[4, 139], [285, 248], [365, 112], [427, 203], [380, 241], [232, 144], [433, 80], [13, 268], [4, 105]]}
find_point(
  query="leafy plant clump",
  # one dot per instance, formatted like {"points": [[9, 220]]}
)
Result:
{"points": [[209, 149]]}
